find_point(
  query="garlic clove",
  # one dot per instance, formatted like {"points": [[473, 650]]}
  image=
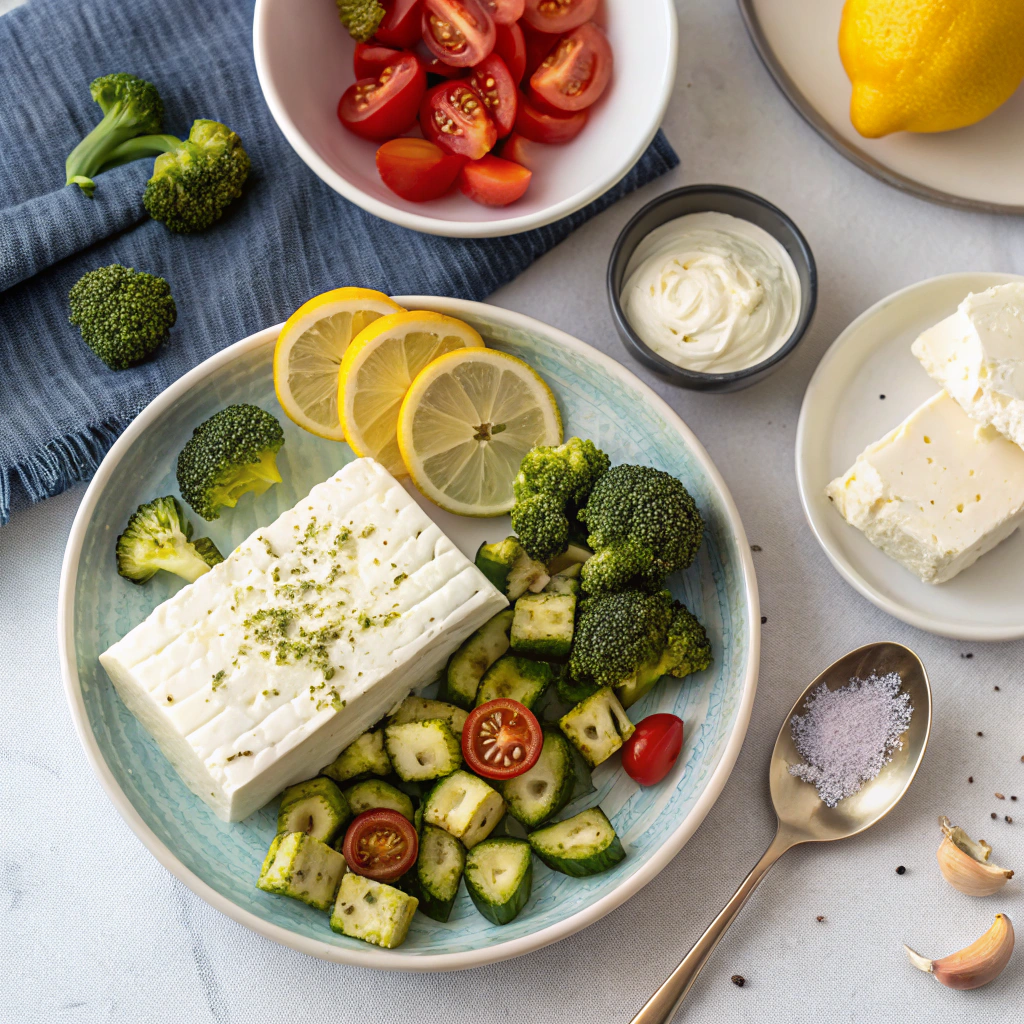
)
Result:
{"points": [[975, 965], [964, 863]]}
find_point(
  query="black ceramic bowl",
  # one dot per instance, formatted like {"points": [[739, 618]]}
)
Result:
{"points": [[713, 199]]}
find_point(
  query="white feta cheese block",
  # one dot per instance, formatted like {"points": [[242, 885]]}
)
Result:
{"points": [[315, 627], [937, 492], [977, 355]]}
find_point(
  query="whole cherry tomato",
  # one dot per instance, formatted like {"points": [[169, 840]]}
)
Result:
{"points": [[385, 106], [575, 73], [649, 754], [417, 170], [459, 32], [454, 117]]}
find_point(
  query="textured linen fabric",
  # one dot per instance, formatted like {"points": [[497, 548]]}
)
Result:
{"points": [[289, 237]]}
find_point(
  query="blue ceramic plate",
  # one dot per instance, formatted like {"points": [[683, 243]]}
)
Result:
{"points": [[600, 400]]}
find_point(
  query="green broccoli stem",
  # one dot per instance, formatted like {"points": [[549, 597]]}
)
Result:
{"points": [[139, 148], [92, 155]]}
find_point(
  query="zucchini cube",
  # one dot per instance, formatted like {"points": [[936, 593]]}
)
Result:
{"points": [[363, 756], [422, 750], [372, 911], [316, 807], [499, 877], [465, 807], [519, 678], [539, 794], [542, 625], [477, 654], [582, 845], [439, 867], [422, 709], [302, 867], [565, 582], [597, 726], [507, 565], [370, 794]]}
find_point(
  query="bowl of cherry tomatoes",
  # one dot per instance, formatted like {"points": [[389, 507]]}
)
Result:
{"points": [[469, 118]]}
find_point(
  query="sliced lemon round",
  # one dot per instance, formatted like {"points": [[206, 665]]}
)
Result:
{"points": [[467, 421], [378, 368], [308, 354]]}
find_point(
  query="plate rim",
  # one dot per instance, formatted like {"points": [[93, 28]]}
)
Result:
{"points": [[951, 628], [371, 956], [854, 154]]}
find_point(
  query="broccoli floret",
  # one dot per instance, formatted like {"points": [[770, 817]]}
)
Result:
{"points": [[158, 536], [630, 639], [644, 525], [228, 455], [124, 315], [131, 106], [194, 179], [552, 485], [360, 17]]}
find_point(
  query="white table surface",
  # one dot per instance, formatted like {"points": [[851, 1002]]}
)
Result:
{"points": [[93, 929]]}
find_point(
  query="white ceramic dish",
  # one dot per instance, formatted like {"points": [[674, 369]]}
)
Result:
{"points": [[976, 167], [843, 412], [304, 63], [599, 399]]}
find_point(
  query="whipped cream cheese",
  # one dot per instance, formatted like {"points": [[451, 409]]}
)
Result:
{"points": [[712, 293]]}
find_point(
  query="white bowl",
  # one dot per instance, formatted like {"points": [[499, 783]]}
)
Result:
{"points": [[304, 64]]}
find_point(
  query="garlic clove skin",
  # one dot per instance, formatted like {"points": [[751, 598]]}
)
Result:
{"points": [[964, 863], [975, 965]]}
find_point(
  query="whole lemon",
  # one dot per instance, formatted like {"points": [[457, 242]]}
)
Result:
{"points": [[930, 65]]}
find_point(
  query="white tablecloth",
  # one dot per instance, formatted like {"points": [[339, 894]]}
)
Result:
{"points": [[94, 929]]}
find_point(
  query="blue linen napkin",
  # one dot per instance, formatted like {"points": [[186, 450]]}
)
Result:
{"points": [[289, 238]]}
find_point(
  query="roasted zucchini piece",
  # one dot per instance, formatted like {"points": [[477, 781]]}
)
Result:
{"points": [[420, 751], [372, 911], [439, 867], [422, 709], [499, 877], [464, 806], [372, 793], [597, 726], [476, 655], [518, 678], [316, 807], [507, 565], [539, 794], [302, 867], [364, 756], [542, 625], [584, 844]]}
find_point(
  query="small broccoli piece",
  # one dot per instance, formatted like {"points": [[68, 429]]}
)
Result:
{"points": [[552, 485], [158, 536], [194, 179], [124, 315], [644, 525], [131, 106], [228, 455], [360, 17], [687, 648]]}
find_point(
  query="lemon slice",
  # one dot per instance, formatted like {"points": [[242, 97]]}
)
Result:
{"points": [[466, 423], [377, 370], [309, 350]]}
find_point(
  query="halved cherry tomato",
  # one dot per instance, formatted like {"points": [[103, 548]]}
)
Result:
{"points": [[454, 117], [575, 73], [649, 754], [401, 23], [510, 46], [502, 738], [492, 181], [493, 82], [460, 32], [558, 16], [520, 150], [417, 170], [385, 106], [505, 12], [436, 66], [554, 129], [380, 844], [538, 46], [370, 59]]}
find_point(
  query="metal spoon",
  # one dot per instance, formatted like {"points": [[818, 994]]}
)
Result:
{"points": [[802, 817]]}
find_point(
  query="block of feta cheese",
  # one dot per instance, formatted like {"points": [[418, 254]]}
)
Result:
{"points": [[977, 355], [255, 676], [937, 492]]}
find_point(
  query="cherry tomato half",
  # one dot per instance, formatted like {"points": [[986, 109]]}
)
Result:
{"points": [[380, 844], [400, 25], [510, 46], [454, 117], [554, 129], [493, 83], [521, 150], [502, 738], [459, 32], [505, 12], [370, 59], [556, 16], [436, 66], [417, 170], [538, 46], [648, 755], [385, 106], [575, 73]]}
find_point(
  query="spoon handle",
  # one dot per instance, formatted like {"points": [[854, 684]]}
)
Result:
{"points": [[661, 1007]]}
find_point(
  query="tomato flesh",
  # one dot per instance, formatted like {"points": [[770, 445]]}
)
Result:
{"points": [[502, 738], [459, 32], [649, 754], [575, 73], [400, 25], [505, 12], [416, 169], [538, 46], [454, 117], [510, 46], [557, 16], [380, 844], [385, 106], [520, 150], [493, 83], [370, 59], [554, 129]]}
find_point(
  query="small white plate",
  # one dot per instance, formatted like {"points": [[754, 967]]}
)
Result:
{"points": [[843, 411], [976, 167]]}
